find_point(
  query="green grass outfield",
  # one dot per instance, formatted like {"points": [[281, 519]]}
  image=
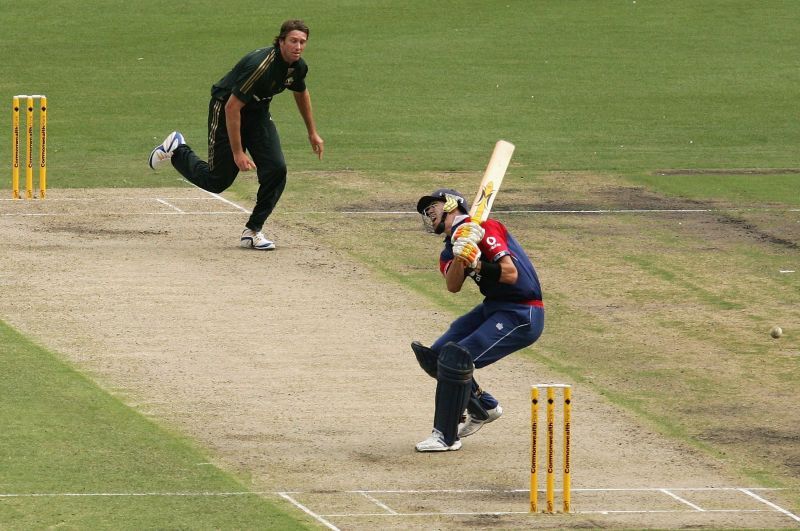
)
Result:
{"points": [[107, 466], [400, 90], [406, 86]]}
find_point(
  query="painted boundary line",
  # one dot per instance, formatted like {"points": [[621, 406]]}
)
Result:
{"points": [[374, 495]]}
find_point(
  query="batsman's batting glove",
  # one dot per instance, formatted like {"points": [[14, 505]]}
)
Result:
{"points": [[467, 251], [450, 203], [470, 231]]}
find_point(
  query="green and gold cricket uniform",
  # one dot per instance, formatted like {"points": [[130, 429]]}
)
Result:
{"points": [[256, 79]]}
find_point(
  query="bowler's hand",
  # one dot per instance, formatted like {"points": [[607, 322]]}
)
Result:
{"points": [[243, 162], [317, 144]]}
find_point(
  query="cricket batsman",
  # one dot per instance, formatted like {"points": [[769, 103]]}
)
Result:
{"points": [[510, 318]]}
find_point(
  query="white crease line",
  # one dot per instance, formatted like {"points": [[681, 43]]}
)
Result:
{"points": [[308, 511], [598, 511], [128, 494], [454, 513], [116, 198], [611, 211], [378, 503], [671, 511], [536, 211], [774, 506], [127, 214], [142, 494], [432, 491], [748, 490], [170, 205], [652, 489], [413, 213], [231, 203], [682, 500], [598, 489], [321, 517], [27, 215]]}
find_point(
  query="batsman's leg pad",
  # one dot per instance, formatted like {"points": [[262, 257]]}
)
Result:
{"points": [[453, 388], [426, 358], [474, 406]]}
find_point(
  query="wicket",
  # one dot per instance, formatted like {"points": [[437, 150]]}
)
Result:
{"points": [[567, 412], [29, 100]]}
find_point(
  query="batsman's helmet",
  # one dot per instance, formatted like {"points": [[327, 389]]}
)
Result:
{"points": [[441, 195]]}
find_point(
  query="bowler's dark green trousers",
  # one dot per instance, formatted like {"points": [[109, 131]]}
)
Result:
{"points": [[259, 138]]}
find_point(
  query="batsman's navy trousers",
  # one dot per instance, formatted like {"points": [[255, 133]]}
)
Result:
{"points": [[259, 138], [493, 330]]}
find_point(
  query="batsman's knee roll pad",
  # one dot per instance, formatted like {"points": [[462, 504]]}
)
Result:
{"points": [[455, 365], [453, 389], [426, 358]]}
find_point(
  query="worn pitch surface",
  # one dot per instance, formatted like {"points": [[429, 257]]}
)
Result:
{"points": [[293, 367]]}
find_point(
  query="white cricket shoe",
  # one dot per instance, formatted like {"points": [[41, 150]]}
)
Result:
{"points": [[256, 240], [471, 424], [163, 152], [435, 443]]}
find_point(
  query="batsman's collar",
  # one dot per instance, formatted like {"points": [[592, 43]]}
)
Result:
{"points": [[440, 195]]}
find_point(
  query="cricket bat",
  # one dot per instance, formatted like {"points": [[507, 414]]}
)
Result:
{"points": [[492, 179]]}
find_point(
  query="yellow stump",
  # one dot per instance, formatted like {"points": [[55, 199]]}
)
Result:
{"points": [[551, 390], [15, 148], [534, 441], [567, 440], [42, 147], [29, 154], [551, 477]]}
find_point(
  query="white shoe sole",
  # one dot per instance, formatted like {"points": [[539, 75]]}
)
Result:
{"points": [[438, 447], [472, 427], [247, 243], [158, 156], [163, 152]]}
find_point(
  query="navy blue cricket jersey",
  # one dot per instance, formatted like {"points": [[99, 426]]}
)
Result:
{"points": [[497, 243]]}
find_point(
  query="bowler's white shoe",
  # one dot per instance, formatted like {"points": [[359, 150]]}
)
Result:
{"points": [[163, 152], [471, 424], [256, 240], [435, 443]]}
